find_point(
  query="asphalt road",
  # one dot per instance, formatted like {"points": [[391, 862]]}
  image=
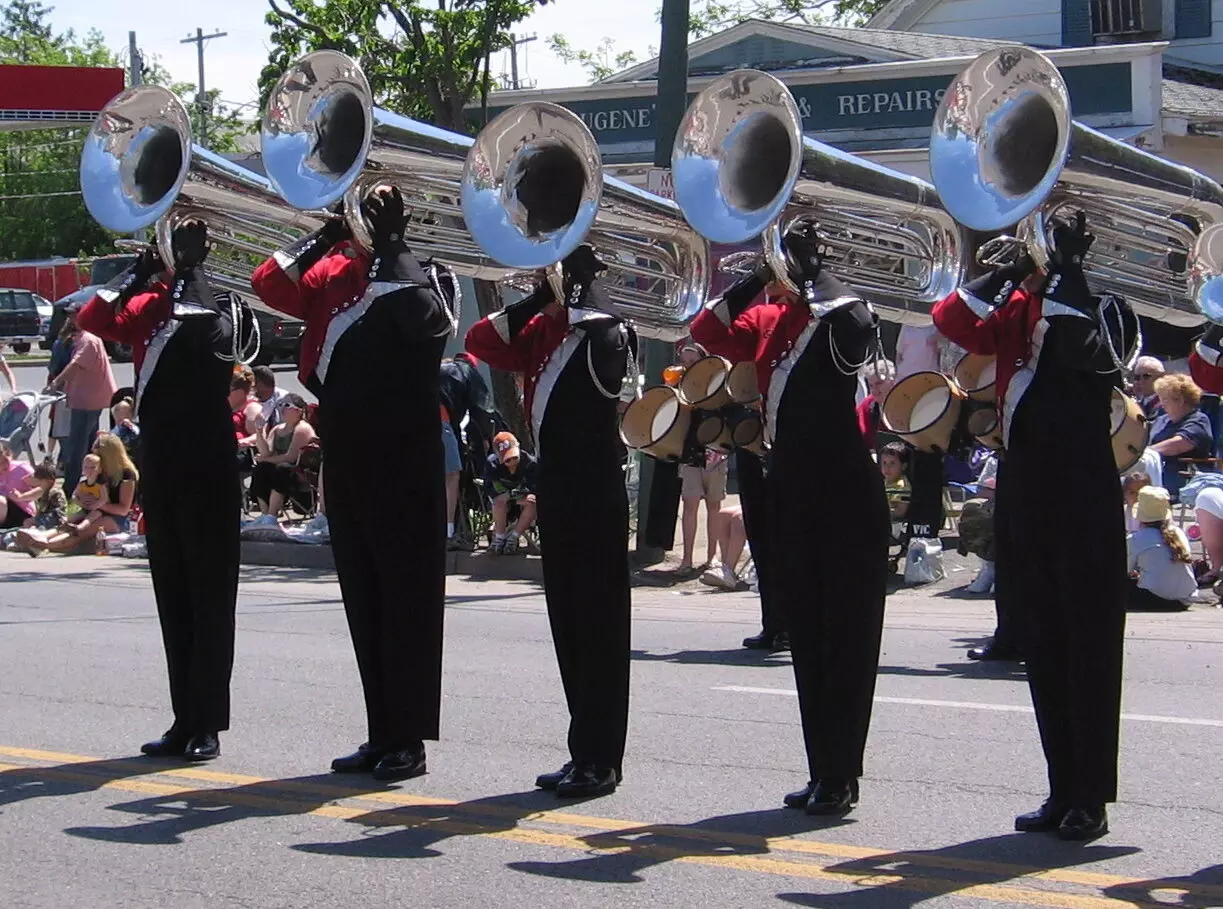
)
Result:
{"points": [[714, 743]]}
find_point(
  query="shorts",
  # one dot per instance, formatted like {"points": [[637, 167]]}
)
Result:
{"points": [[1210, 500], [450, 449], [699, 483], [14, 515]]}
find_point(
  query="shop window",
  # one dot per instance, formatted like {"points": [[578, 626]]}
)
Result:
{"points": [[1126, 18]]}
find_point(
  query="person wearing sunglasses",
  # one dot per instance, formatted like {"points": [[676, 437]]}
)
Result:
{"points": [[1146, 371]]}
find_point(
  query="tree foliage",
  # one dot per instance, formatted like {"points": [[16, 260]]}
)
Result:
{"points": [[225, 125], [41, 211], [600, 63], [424, 58]]}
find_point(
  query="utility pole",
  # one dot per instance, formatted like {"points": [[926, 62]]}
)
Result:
{"points": [[658, 493], [135, 61], [514, 42], [200, 100]]}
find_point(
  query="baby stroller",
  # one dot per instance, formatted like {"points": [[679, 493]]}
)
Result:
{"points": [[21, 417]]}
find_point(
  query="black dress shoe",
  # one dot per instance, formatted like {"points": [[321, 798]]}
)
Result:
{"points": [[833, 797], [1045, 818], [401, 765], [1082, 824], [363, 760], [994, 652], [587, 781], [760, 641], [781, 641], [172, 744], [798, 800], [549, 781], [203, 747]]}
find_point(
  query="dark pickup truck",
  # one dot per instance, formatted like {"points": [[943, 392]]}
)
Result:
{"points": [[20, 321]]}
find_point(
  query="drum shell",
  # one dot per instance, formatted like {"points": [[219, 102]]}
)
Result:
{"points": [[985, 427], [641, 430], [711, 429], [703, 385], [746, 429], [905, 398], [1131, 431], [742, 384], [968, 373]]}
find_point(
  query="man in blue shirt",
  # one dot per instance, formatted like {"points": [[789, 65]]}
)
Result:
{"points": [[509, 479]]}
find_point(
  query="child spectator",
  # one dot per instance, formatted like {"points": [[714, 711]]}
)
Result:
{"points": [[509, 478], [1160, 564], [892, 459], [90, 493], [125, 426], [52, 505], [1131, 486]]}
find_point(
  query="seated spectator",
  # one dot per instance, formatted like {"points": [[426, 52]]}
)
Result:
{"points": [[52, 505], [274, 480], [16, 484], [105, 513], [1208, 508], [1147, 371], [1160, 563], [509, 479], [123, 418], [269, 395], [704, 481], [892, 458], [1131, 485], [731, 535], [1182, 432], [247, 415]]}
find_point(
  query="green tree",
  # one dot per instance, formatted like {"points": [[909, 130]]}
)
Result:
{"points": [[425, 59], [600, 63], [225, 125], [41, 211]]}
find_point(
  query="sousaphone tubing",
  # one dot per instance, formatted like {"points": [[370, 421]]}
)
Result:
{"points": [[923, 409], [657, 424], [1131, 431]]}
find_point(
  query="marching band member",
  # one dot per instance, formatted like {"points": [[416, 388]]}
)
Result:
{"points": [[1206, 360], [807, 353], [757, 522], [1060, 352], [574, 359], [375, 332], [185, 339]]}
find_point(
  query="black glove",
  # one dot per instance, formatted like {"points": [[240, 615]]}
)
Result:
{"points": [[1070, 244], [995, 287], [804, 254], [336, 229], [190, 243], [581, 267], [148, 264], [384, 211]]}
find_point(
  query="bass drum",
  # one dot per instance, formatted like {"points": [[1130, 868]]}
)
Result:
{"points": [[923, 409], [657, 424], [1131, 430]]}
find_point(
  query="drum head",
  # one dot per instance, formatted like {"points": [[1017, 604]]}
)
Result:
{"points": [[704, 383], [923, 409], [977, 375], [709, 427]]}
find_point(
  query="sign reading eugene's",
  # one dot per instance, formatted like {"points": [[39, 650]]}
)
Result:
{"points": [[851, 106]]}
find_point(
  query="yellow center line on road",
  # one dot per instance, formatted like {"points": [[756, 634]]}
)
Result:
{"points": [[786, 856]]}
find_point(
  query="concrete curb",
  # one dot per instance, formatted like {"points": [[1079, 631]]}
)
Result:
{"points": [[470, 564]]}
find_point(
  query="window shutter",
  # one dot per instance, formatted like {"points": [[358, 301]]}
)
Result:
{"points": [[1076, 23], [1192, 18]]}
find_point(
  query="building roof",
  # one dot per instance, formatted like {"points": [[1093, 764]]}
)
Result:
{"points": [[914, 45], [1199, 102]]}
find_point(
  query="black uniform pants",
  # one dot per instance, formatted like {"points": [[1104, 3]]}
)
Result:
{"points": [[833, 588], [191, 529], [583, 520], [924, 517], [390, 556], [1072, 603], [757, 521], [1008, 559]]}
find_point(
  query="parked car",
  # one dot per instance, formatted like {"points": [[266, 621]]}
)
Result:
{"points": [[279, 337], [20, 318]]}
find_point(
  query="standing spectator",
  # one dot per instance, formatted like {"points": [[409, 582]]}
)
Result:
{"points": [[61, 415], [509, 478], [89, 384], [1160, 564], [7, 373], [15, 480], [1147, 371], [1182, 433], [452, 468], [464, 393], [880, 378], [704, 481], [917, 350], [269, 395]]}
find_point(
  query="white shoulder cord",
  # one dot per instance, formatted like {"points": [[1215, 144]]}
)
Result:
{"points": [[630, 364], [1118, 364], [844, 367]]}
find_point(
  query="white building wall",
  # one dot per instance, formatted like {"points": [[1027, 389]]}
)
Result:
{"points": [[1199, 152], [1203, 50], [1037, 22]]}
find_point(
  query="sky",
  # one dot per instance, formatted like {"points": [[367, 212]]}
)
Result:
{"points": [[233, 63]]}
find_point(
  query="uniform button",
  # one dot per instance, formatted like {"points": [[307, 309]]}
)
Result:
{"points": [[1019, 362], [334, 311]]}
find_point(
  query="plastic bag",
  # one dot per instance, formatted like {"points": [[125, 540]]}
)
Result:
{"points": [[924, 561]]}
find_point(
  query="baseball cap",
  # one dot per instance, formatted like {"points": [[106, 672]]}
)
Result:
{"points": [[505, 445]]}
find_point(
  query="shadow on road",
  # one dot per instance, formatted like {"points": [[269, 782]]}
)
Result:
{"points": [[640, 848], [738, 656], [1201, 890], [70, 779], [908, 878]]}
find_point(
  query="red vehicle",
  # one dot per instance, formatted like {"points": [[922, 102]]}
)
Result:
{"points": [[50, 278]]}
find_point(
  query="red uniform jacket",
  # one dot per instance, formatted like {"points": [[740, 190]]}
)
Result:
{"points": [[334, 285], [1205, 368], [137, 323]]}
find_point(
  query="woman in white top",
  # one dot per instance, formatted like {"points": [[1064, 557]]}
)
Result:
{"points": [[1160, 564]]}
